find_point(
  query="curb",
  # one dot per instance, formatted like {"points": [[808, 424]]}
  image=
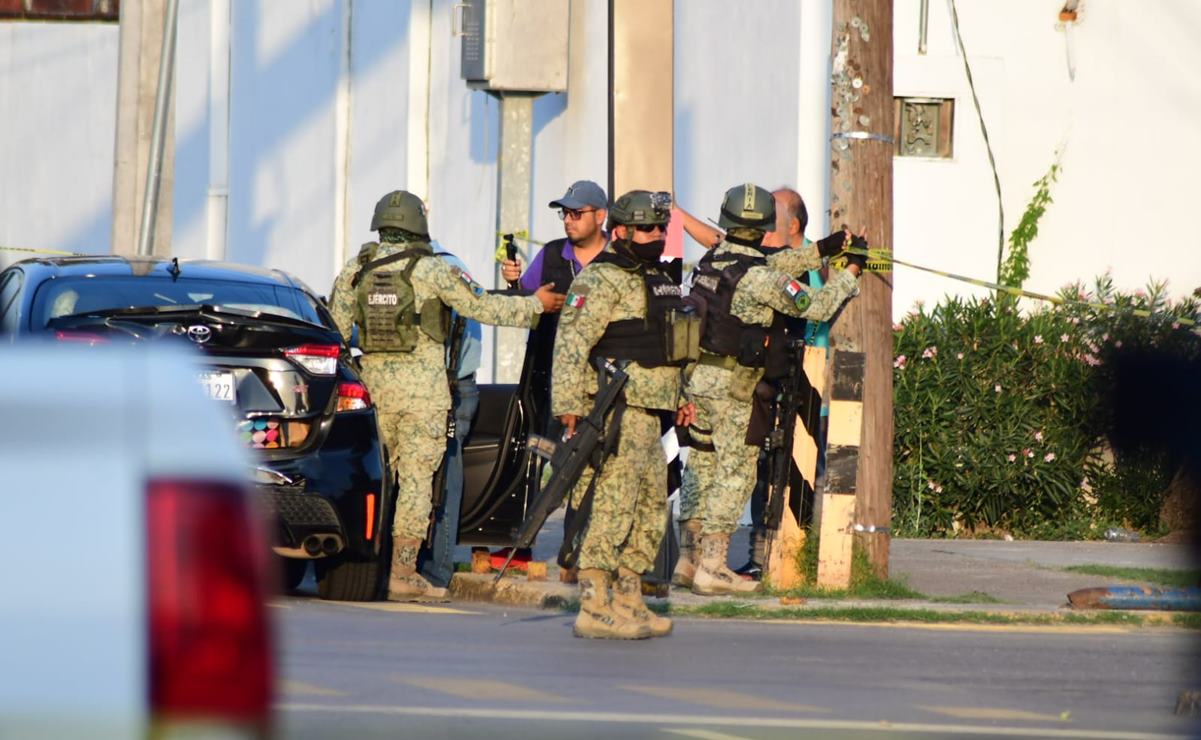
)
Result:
{"points": [[511, 591]]}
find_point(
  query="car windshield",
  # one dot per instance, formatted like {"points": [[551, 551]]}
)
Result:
{"points": [[81, 295]]}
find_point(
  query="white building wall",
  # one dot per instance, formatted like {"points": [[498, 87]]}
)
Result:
{"points": [[749, 106], [736, 100], [1124, 126], [58, 91]]}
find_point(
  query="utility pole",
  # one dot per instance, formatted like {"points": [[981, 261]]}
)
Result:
{"points": [[138, 85], [861, 338]]}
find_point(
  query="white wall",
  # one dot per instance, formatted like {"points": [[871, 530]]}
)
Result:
{"points": [[58, 91], [1125, 126], [736, 100], [750, 105]]}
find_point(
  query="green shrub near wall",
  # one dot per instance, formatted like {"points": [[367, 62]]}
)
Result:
{"points": [[998, 425]]}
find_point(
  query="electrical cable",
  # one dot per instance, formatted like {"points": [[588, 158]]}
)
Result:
{"points": [[987, 142]]}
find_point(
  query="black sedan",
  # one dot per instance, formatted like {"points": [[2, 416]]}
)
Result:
{"points": [[274, 358]]}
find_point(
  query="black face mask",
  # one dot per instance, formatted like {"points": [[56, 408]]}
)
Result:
{"points": [[647, 252]]}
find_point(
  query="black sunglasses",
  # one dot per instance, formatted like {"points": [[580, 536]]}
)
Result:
{"points": [[648, 228], [565, 213]]}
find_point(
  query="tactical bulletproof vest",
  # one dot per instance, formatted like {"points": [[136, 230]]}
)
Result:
{"points": [[669, 333], [386, 303], [556, 268], [723, 333]]}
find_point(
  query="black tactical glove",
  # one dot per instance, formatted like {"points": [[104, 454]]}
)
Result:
{"points": [[858, 243], [832, 244]]}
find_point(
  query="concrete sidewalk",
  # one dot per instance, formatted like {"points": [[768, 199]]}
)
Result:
{"points": [[1022, 576]]}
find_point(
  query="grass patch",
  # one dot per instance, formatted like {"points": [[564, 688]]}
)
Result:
{"points": [[865, 584], [737, 610], [1158, 576], [1190, 621], [971, 597]]}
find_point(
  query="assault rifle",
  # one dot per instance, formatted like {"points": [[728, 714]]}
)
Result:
{"points": [[590, 445], [458, 329], [779, 442]]}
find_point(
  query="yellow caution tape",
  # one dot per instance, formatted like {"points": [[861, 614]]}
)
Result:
{"points": [[882, 259], [39, 251]]}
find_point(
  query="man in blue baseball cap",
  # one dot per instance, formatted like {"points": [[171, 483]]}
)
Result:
{"points": [[583, 209]]}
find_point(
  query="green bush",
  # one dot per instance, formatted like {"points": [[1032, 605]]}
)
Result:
{"points": [[998, 425]]}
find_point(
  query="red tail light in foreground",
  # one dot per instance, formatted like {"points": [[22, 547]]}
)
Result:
{"points": [[318, 359], [353, 397], [210, 642]]}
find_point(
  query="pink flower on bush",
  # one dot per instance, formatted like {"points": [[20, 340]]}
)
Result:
{"points": [[1118, 344], [899, 363], [997, 387], [1028, 452], [1012, 457], [897, 327], [958, 355], [1075, 320], [930, 353], [1038, 338], [1105, 337], [1038, 436], [1091, 361], [1049, 457], [1064, 337], [1175, 324]]}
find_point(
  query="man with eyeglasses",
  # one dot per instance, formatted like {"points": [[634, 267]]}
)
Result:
{"points": [[626, 309], [583, 209]]}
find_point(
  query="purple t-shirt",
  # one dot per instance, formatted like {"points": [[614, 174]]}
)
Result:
{"points": [[531, 279]]}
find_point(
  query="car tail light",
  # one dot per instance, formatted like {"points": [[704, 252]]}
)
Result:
{"points": [[318, 359], [370, 516], [81, 337], [353, 397], [210, 641]]}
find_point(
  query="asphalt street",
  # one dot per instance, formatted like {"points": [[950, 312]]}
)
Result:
{"points": [[481, 670]]}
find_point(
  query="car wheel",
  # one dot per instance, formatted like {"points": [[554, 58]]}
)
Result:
{"points": [[342, 578], [292, 571]]}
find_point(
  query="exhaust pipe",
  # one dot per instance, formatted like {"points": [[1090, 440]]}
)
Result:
{"points": [[312, 545], [331, 545]]}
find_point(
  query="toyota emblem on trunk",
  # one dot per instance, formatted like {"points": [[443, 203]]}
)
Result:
{"points": [[200, 333]]}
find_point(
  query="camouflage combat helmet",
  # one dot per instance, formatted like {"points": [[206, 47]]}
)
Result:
{"points": [[641, 207], [400, 209], [748, 207]]}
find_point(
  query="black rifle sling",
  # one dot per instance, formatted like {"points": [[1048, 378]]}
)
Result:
{"points": [[577, 516]]}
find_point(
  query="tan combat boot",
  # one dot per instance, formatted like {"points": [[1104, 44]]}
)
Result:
{"points": [[690, 532], [714, 577], [627, 601], [597, 617], [404, 583]]}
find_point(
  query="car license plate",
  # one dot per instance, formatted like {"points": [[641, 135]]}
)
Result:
{"points": [[219, 385]]}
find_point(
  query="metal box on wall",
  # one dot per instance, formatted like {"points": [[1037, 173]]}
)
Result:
{"points": [[514, 45]]}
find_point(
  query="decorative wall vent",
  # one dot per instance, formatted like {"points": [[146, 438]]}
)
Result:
{"points": [[924, 127]]}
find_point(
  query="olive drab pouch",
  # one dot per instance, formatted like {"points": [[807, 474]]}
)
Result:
{"points": [[435, 319], [743, 380], [683, 329]]}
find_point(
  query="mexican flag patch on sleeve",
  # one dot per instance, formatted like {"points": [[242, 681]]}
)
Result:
{"points": [[575, 300]]}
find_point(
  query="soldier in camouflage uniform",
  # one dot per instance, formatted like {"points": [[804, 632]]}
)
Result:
{"points": [[743, 287], [400, 302], [623, 307]]}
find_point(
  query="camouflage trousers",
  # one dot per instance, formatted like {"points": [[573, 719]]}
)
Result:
{"points": [[717, 483], [416, 442], [628, 507]]}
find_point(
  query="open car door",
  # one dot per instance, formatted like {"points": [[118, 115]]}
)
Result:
{"points": [[500, 473]]}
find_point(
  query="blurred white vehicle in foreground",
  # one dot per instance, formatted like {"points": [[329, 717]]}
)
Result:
{"points": [[134, 587]]}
